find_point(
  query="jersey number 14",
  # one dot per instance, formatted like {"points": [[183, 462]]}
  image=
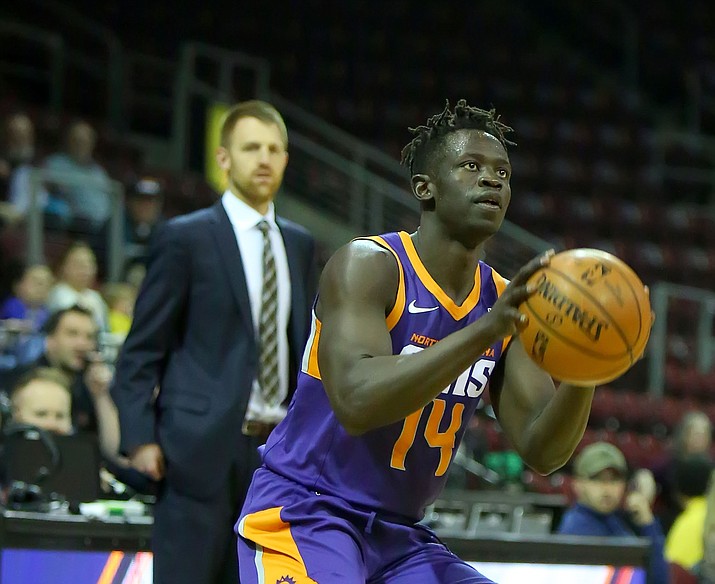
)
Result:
{"points": [[471, 383]]}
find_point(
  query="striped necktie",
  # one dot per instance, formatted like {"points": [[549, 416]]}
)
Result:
{"points": [[268, 323]]}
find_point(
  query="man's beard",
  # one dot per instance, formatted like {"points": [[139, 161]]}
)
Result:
{"points": [[253, 193]]}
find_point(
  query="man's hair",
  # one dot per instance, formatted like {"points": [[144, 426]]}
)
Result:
{"points": [[53, 322], [51, 374], [417, 153], [252, 109]]}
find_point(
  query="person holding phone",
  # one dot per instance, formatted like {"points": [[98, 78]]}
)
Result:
{"points": [[607, 504]]}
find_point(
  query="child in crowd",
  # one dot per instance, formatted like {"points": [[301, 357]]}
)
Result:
{"points": [[28, 303], [43, 398]]}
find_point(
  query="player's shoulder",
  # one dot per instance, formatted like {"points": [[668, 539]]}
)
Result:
{"points": [[360, 269], [364, 258], [368, 249]]}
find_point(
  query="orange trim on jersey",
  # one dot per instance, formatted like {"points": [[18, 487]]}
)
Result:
{"points": [[457, 311], [310, 355], [110, 568], [277, 554], [500, 283], [399, 307]]}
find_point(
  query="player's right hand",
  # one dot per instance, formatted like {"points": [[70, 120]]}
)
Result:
{"points": [[504, 316], [149, 459]]}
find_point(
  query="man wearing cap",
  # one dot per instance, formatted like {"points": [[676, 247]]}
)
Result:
{"points": [[603, 509], [143, 217]]}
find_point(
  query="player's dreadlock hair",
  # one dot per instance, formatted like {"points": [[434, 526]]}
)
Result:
{"points": [[416, 153]]}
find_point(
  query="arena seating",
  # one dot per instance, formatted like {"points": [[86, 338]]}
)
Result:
{"points": [[586, 167]]}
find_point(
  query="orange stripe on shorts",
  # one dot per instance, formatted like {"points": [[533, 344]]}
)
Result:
{"points": [[277, 556]]}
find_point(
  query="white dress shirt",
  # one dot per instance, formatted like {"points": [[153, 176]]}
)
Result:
{"points": [[245, 220]]}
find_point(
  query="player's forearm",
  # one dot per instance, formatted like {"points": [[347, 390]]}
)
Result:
{"points": [[550, 440], [377, 391]]}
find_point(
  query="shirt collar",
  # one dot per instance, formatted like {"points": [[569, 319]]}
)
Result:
{"points": [[242, 216]]}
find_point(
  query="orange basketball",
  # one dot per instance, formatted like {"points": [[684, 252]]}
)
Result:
{"points": [[590, 318]]}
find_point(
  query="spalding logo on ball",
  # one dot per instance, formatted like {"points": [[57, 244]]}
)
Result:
{"points": [[589, 319]]}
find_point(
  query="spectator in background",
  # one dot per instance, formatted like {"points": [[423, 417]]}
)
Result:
{"points": [[30, 288], [120, 298], [18, 147], [43, 398], [16, 162], [144, 204], [88, 196], [603, 508], [70, 345], [693, 435], [684, 543], [76, 275], [705, 570]]}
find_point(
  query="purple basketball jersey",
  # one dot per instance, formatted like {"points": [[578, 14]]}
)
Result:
{"points": [[401, 468]]}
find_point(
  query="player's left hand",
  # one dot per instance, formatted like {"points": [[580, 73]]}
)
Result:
{"points": [[505, 312]]}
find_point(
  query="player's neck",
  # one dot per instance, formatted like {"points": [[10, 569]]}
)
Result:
{"points": [[434, 241], [450, 262]]}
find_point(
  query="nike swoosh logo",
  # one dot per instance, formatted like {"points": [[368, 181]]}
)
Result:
{"points": [[418, 309]]}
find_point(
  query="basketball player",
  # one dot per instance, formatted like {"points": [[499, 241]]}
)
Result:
{"points": [[407, 331]]}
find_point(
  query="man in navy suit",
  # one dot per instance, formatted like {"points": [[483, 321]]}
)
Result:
{"points": [[191, 407]]}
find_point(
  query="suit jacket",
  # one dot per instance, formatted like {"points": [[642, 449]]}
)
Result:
{"points": [[193, 337]]}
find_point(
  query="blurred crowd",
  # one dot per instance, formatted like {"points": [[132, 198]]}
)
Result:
{"points": [[62, 322]]}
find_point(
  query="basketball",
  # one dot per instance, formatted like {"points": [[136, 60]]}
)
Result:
{"points": [[589, 319]]}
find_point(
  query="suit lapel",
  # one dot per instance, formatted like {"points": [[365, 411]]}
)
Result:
{"points": [[230, 256]]}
